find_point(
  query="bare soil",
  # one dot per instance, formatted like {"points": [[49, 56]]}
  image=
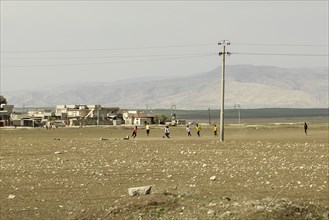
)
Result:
{"points": [[259, 172]]}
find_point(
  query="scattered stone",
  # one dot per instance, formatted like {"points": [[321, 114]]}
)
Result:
{"points": [[142, 190], [57, 139], [227, 198], [212, 204], [103, 139], [260, 208], [225, 215], [11, 196], [58, 152], [213, 178], [126, 138], [326, 215], [211, 212]]}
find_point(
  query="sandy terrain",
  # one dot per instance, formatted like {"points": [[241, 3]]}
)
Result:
{"points": [[258, 172]]}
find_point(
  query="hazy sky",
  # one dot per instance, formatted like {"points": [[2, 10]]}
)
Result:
{"points": [[46, 42]]}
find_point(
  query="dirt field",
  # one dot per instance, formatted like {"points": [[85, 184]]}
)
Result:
{"points": [[258, 172]]}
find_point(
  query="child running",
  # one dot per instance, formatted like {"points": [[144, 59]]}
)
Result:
{"points": [[147, 127], [198, 129], [215, 131], [166, 132], [188, 129], [134, 132]]}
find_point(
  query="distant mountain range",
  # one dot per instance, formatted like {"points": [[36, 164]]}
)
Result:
{"points": [[246, 85]]}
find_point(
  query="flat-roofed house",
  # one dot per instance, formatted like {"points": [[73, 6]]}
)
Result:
{"points": [[87, 114], [5, 114]]}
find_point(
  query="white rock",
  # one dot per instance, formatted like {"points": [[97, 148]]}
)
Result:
{"points": [[260, 208], [225, 215], [142, 190], [212, 204], [213, 178], [211, 212], [11, 196]]}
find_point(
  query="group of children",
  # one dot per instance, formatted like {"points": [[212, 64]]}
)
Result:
{"points": [[198, 130], [188, 130], [167, 131]]}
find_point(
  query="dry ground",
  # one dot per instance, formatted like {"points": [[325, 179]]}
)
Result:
{"points": [[261, 172]]}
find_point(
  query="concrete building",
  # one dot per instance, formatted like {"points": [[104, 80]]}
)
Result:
{"points": [[138, 118], [35, 118], [75, 115], [5, 114]]}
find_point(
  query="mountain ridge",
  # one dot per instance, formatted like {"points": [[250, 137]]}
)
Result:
{"points": [[247, 85]]}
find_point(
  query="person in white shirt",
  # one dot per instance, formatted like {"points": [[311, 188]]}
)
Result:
{"points": [[188, 129], [166, 132]]}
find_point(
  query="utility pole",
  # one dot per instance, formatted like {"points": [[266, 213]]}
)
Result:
{"points": [[97, 106], [223, 53]]}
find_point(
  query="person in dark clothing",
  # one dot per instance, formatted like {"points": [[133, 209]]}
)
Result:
{"points": [[305, 127], [134, 132]]}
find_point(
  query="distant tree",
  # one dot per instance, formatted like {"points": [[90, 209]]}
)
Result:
{"points": [[51, 118], [162, 119], [3, 100]]}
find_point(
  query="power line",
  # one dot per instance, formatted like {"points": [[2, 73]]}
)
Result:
{"points": [[283, 54], [163, 46], [167, 57], [104, 57], [282, 45], [96, 63], [106, 49], [157, 55]]}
